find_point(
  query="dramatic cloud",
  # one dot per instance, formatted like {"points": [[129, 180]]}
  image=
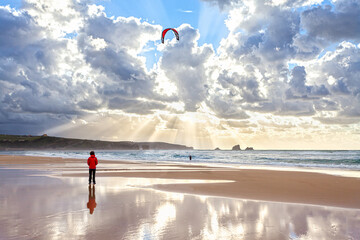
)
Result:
{"points": [[286, 67], [112, 47], [47, 75], [334, 24], [298, 89], [31, 84], [262, 46], [339, 71]]}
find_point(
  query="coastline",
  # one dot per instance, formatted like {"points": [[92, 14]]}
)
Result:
{"points": [[281, 185]]}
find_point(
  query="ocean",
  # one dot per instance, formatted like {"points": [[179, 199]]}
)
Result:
{"points": [[349, 160]]}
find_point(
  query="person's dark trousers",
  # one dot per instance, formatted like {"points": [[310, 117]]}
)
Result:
{"points": [[92, 172]]}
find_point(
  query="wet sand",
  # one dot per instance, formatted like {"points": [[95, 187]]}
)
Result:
{"points": [[48, 198], [266, 185]]}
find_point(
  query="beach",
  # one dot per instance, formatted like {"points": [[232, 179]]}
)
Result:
{"points": [[163, 187]]}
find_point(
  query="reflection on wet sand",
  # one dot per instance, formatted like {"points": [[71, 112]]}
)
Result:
{"points": [[91, 204], [49, 208]]}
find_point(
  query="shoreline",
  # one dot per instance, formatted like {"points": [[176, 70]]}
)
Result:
{"points": [[343, 172], [283, 185]]}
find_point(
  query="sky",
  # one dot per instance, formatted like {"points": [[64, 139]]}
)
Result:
{"points": [[270, 74]]}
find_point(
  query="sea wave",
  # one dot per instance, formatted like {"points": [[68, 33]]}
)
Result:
{"points": [[312, 159]]}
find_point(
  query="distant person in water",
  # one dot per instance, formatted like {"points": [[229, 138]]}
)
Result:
{"points": [[190, 157], [92, 162]]}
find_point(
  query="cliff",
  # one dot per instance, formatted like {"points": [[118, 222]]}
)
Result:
{"points": [[44, 142]]}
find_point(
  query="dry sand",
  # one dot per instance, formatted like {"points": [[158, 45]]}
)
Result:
{"points": [[265, 185]]}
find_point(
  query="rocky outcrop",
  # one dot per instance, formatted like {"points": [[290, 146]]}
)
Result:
{"points": [[249, 149], [236, 148], [217, 149]]}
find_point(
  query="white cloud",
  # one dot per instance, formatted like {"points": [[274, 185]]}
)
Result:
{"points": [[68, 62], [185, 11], [58, 17], [262, 45], [184, 63], [48, 76]]}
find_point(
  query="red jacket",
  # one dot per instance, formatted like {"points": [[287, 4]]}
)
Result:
{"points": [[92, 162]]}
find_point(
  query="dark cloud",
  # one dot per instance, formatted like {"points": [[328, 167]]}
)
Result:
{"points": [[326, 105], [307, 47], [337, 120], [226, 108], [297, 108], [335, 24], [299, 89], [263, 107], [340, 87], [125, 74], [245, 88], [29, 123], [279, 35], [16, 31]]}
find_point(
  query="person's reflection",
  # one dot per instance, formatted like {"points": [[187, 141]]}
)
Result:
{"points": [[91, 205]]}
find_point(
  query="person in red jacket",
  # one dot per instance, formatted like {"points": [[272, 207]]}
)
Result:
{"points": [[92, 162]]}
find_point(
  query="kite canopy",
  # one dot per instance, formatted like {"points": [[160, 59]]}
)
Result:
{"points": [[166, 30]]}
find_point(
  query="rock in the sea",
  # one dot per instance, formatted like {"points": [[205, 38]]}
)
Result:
{"points": [[249, 149], [217, 149], [236, 148]]}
